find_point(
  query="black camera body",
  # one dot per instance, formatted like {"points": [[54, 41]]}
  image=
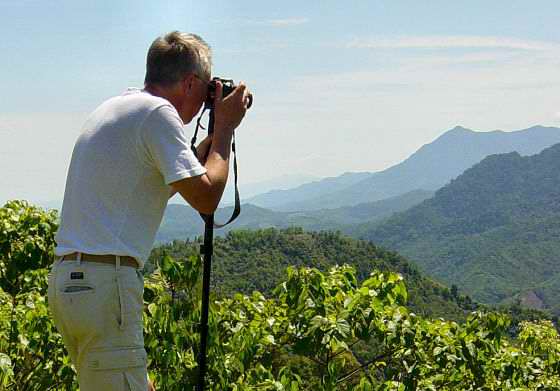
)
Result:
{"points": [[227, 88]]}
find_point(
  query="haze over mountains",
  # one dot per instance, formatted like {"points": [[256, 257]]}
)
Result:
{"points": [[181, 221], [252, 189], [429, 168], [278, 199]]}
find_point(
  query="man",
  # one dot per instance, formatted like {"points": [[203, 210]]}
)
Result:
{"points": [[131, 157]]}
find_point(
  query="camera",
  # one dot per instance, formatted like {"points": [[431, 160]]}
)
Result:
{"points": [[227, 88]]}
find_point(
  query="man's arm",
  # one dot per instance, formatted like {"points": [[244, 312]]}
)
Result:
{"points": [[201, 152], [203, 192]]}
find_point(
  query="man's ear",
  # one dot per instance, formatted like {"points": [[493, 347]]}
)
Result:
{"points": [[187, 83]]}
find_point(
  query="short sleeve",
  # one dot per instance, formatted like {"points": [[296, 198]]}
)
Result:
{"points": [[167, 146]]}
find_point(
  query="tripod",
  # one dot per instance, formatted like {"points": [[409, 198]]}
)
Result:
{"points": [[207, 250]]}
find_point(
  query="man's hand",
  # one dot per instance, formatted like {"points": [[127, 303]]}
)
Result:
{"points": [[229, 111], [203, 192]]}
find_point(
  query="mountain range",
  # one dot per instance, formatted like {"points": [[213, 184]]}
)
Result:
{"points": [[494, 231], [182, 222], [429, 168]]}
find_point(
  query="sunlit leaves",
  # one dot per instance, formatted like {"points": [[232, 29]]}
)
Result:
{"points": [[317, 331]]}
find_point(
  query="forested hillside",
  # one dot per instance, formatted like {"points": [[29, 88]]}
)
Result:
{"points": [[494, 231], [256, 260]]}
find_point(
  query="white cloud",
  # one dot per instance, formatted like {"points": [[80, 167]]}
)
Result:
{"points": [[450, 42], [287, 22]]}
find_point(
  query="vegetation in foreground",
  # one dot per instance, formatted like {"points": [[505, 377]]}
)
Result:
{"points": [[248, 260], [317, 331]]}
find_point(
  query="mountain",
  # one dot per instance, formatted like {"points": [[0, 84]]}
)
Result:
{"points": [[247, 260], [181, 221], [429, 168], [251, 189], [275, 199], [494, 231], [248, 190]]}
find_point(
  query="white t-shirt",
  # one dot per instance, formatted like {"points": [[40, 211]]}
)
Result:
{"points": [[131, 148]]}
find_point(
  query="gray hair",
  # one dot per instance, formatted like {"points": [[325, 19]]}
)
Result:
{"points": [[175, 55]]}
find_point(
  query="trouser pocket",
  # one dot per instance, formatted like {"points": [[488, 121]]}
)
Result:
{"points": [[78, 303], [122, 369], [130, 306]]}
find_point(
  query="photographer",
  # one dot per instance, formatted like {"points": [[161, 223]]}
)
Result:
{"points": [[130, 158]]}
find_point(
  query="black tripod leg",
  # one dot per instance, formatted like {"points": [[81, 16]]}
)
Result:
{"points": [[207, 250]]}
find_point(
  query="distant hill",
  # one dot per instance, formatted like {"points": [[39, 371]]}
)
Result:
{"points": [[181, 221], [277, 199], [494, 231], [248, 190], [257, 260], [429, 168]]}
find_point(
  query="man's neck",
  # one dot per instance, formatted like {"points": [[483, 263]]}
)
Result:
{"points": [[162, 92], [169, 93]]}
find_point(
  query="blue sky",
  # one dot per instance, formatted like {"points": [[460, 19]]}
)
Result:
{"points": [[339, 86]]}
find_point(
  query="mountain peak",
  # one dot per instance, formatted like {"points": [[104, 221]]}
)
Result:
{"points": [[451, 135], [540, 127], [459, 129]]}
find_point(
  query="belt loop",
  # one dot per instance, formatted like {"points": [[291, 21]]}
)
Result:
{"points": [[79, 258], [118, 264]]}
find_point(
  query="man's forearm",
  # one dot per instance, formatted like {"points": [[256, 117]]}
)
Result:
{"points": [[202, 149]]}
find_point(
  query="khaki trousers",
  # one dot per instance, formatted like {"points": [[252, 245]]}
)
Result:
{"points": [[97, 308]]}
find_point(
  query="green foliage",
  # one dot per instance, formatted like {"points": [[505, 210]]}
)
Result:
{"points": [[315, 331], [26, 238], [32, 356], [245, 261], [315, 319]]}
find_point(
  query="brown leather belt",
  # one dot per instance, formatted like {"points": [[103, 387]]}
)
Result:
{"points": [[110, 259]]}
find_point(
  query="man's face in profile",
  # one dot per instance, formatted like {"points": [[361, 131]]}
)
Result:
{"points": [[195, 97]]}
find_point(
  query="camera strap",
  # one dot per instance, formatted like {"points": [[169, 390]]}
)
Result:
{"points": [[237, 207]]}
